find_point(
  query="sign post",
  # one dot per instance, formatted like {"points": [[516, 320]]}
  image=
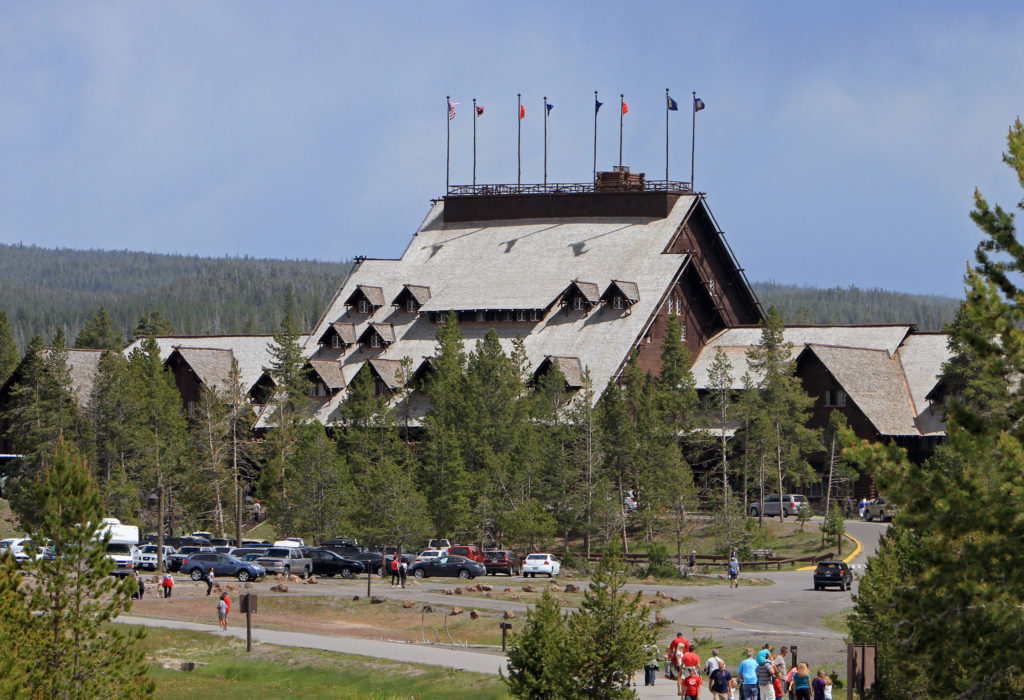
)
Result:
{"points": [[505, 627], [248, 607]]}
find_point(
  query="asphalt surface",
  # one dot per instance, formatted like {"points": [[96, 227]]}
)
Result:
{"points": [[789, 613]]}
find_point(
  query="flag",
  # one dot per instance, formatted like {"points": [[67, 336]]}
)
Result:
{"points": [[597, 106], [480, 111], [522, 111], [549, 106], [451, 110], [672, 104], [698, 104], [625, 108]]}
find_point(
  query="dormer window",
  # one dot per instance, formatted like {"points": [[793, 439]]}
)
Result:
{"points": [[364, 306], [338, 335], [378, 335], [411, 298], [578, 304], [410, 306], [621, 295], [374, 341], [335, 341], [617, 302], [521, 315], [365, 299]]}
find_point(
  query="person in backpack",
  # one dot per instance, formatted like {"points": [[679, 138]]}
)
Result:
{"points": [[403, 568], [168, 585], [734, 572], [209, 581], [394, 572]]}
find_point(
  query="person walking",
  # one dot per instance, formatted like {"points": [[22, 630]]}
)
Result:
{"points": [[167, 585], [719, 681], [801, 683], [821, 685], [689, 687], [766, 673], [734, 572], [748, 677], [393, 566], [140, 587], [692, 559], [712, 664], [653, 655], [209, 581], [403, 568], [222, 611]]}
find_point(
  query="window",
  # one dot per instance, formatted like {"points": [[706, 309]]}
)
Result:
{"points": [[534, 315], [835, 397], [682, 332], [507, 315], [521, 315], [577, 303], [379, 387], [616, 302], [374, 341], [481, 316], [190, 407], [364, 306], [410, 305], [335, 341], [711, 287]]}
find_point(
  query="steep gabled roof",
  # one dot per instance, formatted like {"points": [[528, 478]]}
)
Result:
{"points": [[374, 295], [388, 371], [570, 367], [83, 366], [627, 290], [385, 330], [420, 293], [345, 331], [330, 371], [590, 292], [211, 365]]}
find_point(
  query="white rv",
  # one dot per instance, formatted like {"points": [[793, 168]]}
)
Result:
{"points": [[121, 547]]}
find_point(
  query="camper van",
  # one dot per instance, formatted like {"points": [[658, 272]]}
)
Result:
{"points": [[124, 540]]}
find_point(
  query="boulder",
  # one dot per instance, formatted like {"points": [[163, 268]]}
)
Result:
{"points": [[448, 591], [659, 619], [249, 584], [509, 589], [292, 578], [408, 603], [572, 588], [427, 609], [377, 599], [312, 579], [555, 588], [231, 588], [508, 614], [659, 594], [355, 597], [529, 589], [474, 615], [458, 590], [279, 577], [514, 596], [456, 610], [280, 588]]}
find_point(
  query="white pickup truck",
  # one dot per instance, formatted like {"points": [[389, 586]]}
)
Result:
{"points": [[146, 556], [286, 560]]}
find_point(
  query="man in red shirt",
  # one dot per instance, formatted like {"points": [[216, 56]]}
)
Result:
{"points": [[691, 663], [691, 686], [680, 640]]}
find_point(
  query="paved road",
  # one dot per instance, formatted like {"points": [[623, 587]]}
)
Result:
{"points": [[788, 612]]}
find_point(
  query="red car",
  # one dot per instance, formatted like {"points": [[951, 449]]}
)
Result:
{"points": [[470, 551], [503, 561]]}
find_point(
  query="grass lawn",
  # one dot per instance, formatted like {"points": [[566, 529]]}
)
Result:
{"points": [[272, 671], [8, 522], [838, 621]]}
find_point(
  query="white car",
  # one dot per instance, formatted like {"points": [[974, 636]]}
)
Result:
{"points": [[541, 564], [427, 554], [145, 556], [16, 546]]}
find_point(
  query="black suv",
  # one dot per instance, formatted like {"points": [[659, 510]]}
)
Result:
{"points": [[832, 573]]}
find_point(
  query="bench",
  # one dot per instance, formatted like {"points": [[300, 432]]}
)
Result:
{"points": [[762, 553]]}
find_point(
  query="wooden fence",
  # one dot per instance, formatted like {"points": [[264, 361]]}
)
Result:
{"points": [[712, 561]]}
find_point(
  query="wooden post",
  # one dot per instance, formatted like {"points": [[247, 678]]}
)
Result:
{"points": [[505, 627]]}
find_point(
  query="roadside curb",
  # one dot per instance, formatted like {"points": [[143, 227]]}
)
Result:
{"points": [[846, 560]]}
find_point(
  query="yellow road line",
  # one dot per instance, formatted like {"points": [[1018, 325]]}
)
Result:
{"points": [[856, 550]]}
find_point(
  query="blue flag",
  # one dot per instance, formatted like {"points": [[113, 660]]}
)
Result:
{"points": [[597, 106], [549, 105], [698, 104], [672, 104]]}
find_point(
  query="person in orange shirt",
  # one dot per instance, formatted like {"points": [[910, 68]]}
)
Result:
{"points": [[691, 686]]}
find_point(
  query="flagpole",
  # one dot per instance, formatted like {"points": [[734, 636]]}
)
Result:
{"points": [[474, 142], [666, 136], [519, 137], [595, 136], [622, 101], [545, 140], [693, 134], [448, 144]]}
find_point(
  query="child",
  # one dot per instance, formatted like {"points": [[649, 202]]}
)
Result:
{"points": [[167, 585], [691, 685], [222, 611]]}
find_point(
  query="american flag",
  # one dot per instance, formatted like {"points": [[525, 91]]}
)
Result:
{"points": [[451, 110]]}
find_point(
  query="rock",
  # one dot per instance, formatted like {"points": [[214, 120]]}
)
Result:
{"points": [[408, 603], [456, 610], [659, 594], [312, 579], [355, 597], [674, 598], [474, 615], [555, 588], [572, 588], [249, 584], [280, 588], [659, 619], [513, 596], [508, 614], [488, 595], [509, 589], [458, 591], [279, 577], [292, 578], [449, 591], [377, 599], [529, 589], [427, 609]]}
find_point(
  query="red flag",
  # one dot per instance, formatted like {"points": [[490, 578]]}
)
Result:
{"points": [[522, 111], [625, 108]]}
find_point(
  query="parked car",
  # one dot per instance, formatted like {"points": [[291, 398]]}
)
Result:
{"points": [[791, 503], [174, 561], [448, 565], [341, 542], [179, 542], [880, 508], [146, 556], [15, 545], [503, 561], [832, 573], [438, 544], [428, 554], [241, 552], [286, 560], [328, 563], [470, 551], [198, 564], [541, 564], [629, 502]]}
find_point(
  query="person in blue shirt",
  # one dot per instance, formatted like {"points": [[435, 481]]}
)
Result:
{"points": [[748, 675]]}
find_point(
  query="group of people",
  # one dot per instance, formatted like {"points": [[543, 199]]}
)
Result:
{"points": [[167, 586], [761, 675], [398, 570]]}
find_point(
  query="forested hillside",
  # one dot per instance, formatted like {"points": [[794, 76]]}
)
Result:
{"points": [[798, 304], [43, 290]]}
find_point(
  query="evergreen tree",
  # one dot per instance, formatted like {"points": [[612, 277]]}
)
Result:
{"points": [[74, 654], [540, 659], [390, 507], [99, 333], [8, 349], [210, 489], [111, 413], [317, 484], [152, 324], [785, 407]]}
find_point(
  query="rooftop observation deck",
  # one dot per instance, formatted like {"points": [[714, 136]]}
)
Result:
{"points": [[614, 194]]}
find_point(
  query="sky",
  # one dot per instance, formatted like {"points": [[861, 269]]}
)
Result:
{"points": [[841, 143]]}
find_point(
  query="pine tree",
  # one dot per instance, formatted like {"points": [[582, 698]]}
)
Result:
{"points": [[8, 349], [540, 658], [75, 655], [390, 508], [152, 324], [318, 486], [99, 333], [210, 490], [111, 413]]}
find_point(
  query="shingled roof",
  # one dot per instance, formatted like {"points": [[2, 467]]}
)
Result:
{"points": [[83, 366], [330, 371], [211, 365]]}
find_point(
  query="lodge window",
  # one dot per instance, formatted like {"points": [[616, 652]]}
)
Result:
{"points": [[190, 407], [481, 316], [364, 306], [577, 303], [616, 302], [335, 341], [682, 332], [318, 389], [711, 287], [375, 341], [534, 316], [521, 315], [379, 387], [835, 397], [410, 305]]}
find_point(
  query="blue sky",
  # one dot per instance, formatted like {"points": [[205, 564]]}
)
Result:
{"points": [[841, 143]]}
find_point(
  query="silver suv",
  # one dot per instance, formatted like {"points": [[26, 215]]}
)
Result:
{"points": [[790, 503]]}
